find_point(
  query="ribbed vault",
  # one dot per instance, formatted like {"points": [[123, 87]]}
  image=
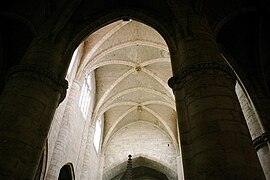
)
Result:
{"points": [[132, 65]]}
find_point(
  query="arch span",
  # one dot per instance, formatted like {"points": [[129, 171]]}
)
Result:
{"points": [[67, 172], [140, 164]]}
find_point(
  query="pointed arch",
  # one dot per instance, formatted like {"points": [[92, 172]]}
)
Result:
{"points": [[67, 172]]}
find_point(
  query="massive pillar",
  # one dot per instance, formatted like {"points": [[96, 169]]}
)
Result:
{"points": [[215, 141], [32, 92]]}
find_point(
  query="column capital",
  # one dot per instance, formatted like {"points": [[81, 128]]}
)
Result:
{"points": [[209, 67], [261, 140], [42, 74]]}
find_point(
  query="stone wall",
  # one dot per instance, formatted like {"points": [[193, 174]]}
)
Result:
{"points": [[140, 140], [70, 139]]}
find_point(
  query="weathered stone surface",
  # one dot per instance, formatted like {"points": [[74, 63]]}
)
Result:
{"points": [[130, 63]]}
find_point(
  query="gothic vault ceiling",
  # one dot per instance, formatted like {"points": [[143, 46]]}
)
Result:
{"points": [[132, 65]]}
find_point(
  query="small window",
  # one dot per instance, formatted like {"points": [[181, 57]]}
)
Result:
{"points": [[84, 101], [97, 135]]}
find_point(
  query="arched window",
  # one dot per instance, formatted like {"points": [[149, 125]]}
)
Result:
{"points": [[84, 101], [97, 136], [66, 172]]}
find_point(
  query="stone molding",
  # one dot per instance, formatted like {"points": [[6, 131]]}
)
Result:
{"points": [[210, 67], [42, 74], [261, 140]]}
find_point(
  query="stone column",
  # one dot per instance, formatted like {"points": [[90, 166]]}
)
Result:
{"points": [[27, 105], [258, 134], [180, 170], [262, 145], [65, 133], [87, 166], [101, 166], [215, 141]]}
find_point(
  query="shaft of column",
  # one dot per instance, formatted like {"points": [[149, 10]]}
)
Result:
{"points": [[27, 105], [256, 129], [215, 140], [32, 92], [87, 166], [262, 145]]}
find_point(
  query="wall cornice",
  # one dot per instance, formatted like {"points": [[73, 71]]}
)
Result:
{"points": [[209, 67], [41, 74]]}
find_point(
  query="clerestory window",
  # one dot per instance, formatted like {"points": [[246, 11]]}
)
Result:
{"points": [[84, 101], [97, 135]]}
